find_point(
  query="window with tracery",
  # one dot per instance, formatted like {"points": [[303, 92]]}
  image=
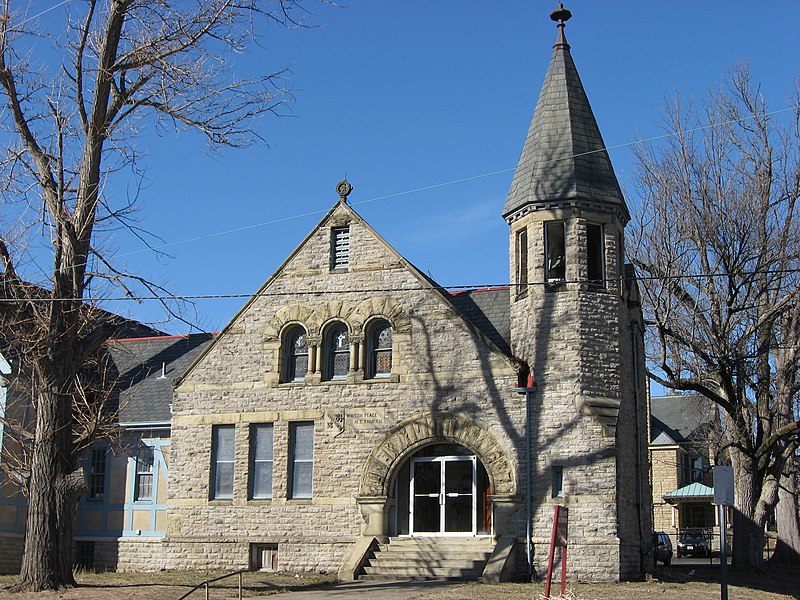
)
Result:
{"points": [[295, 354], [379, 348], [337, 345]]}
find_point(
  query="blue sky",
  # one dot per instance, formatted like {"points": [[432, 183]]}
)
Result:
{"points": [[403, 96]]}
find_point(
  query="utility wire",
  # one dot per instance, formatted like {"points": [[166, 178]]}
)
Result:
{"points": [[44, 12], [447, 183], [383, 290]]}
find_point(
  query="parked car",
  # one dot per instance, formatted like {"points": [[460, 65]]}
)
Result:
{"points": [[662, 548], [694, 542]]}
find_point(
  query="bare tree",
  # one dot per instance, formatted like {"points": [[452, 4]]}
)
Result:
{"points": [[718, 243], [120, 63]]}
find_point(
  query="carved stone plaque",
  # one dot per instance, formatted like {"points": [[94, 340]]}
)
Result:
{"points": [[365, 419]]}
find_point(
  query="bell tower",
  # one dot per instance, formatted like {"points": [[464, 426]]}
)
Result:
{"points": [[572, 321]]}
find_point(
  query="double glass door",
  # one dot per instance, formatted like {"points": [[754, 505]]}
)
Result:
{"points": [[442, 495]]}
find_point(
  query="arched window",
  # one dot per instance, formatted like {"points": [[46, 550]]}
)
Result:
{"points": [[379, 350], [295, 352], [337, 347]]}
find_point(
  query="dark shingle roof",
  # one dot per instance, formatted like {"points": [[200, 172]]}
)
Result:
{"points": [[144, 395], [489, 310], [680, 419], [563, 156]]}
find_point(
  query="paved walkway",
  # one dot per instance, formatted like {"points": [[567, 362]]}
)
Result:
{"points": [[369, 590]]}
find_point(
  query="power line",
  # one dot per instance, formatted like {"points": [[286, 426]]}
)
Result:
{"points": [[449, 183], [44, 12], [602, 283]]}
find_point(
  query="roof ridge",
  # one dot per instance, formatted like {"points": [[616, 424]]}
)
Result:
{"points": [[162, 337]]}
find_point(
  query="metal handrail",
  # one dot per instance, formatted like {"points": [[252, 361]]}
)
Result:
{"points": [[209, 581]]}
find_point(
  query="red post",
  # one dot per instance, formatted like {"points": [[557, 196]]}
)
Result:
{"points": [[558, 539]]}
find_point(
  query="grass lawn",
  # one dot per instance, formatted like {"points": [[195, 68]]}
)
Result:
{"points": [[669, 584]]}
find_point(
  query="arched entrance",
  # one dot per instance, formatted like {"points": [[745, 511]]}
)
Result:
{"points": [[437, 474], [442, 490]]}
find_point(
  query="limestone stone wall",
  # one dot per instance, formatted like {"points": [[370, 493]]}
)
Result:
{"points": [[129, 554], [665, 467], [577, 341], [440, 365]]}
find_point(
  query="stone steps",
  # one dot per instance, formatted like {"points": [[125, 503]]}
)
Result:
{"points": [[429, 558]]}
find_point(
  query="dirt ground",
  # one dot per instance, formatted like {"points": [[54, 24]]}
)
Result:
{"points": [[669, 584]]}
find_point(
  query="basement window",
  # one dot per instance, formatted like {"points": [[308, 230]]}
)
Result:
{"points": [[263, 557], [84, 561], [340, 248]]}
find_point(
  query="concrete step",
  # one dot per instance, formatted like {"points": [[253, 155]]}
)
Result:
{"points": [[412, 572], [430, 558]]}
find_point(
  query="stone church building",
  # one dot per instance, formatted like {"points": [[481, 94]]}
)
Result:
{"points": [[353, 405], [356, 417]]}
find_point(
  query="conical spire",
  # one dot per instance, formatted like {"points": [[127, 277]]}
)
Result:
{"points": [[563, 157]]}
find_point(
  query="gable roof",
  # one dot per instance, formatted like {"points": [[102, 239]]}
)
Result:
{"points": [[488, 329], [680, 419], [18, 292], [564, 156], [147, 367], [489, 310]]}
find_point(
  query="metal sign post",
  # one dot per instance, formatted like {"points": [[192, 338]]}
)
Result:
{"points": [[558, 540], [723, 497]]}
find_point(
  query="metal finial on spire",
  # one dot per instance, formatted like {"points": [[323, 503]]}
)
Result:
{"points": [[561, 15], [343, 188]]}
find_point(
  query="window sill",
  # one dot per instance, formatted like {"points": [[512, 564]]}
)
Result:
{"points": [[389, 379], [299, 501], [353, 378], [259, 501]]}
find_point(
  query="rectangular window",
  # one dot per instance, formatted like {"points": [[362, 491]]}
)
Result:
{"points": [[522, 261], [301, 459], [85, 556], [97, 474], [340, 247], [222, 457], [595, 256], [263, 557], [555, 265], [144, 474], [558, 482], [261, 437]]}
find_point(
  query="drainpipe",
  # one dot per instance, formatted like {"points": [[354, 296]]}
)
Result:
{"points": [[528, 387], [636, 393]]}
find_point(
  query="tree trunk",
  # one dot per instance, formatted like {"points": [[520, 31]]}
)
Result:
{"points": [[787, 550], [40, 559], [748, 536], [52, 497]]}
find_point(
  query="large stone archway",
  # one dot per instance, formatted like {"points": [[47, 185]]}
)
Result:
{"points": [[408, 436]]}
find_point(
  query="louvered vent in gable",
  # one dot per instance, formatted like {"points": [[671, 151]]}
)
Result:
{"points": [[340, 248]]}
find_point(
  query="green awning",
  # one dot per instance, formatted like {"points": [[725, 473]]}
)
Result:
{"points": [[692, 492]]}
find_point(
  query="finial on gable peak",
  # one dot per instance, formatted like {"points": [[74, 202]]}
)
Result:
{"points": [[343, 188], [561, 15]]}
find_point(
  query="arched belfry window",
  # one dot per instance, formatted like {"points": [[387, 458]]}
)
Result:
{"points": [[337, 346], [379, 350], [296, 354]]}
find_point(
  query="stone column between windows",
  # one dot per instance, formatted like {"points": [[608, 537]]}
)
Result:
{"points": [[356, 342], [314, 350]]}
